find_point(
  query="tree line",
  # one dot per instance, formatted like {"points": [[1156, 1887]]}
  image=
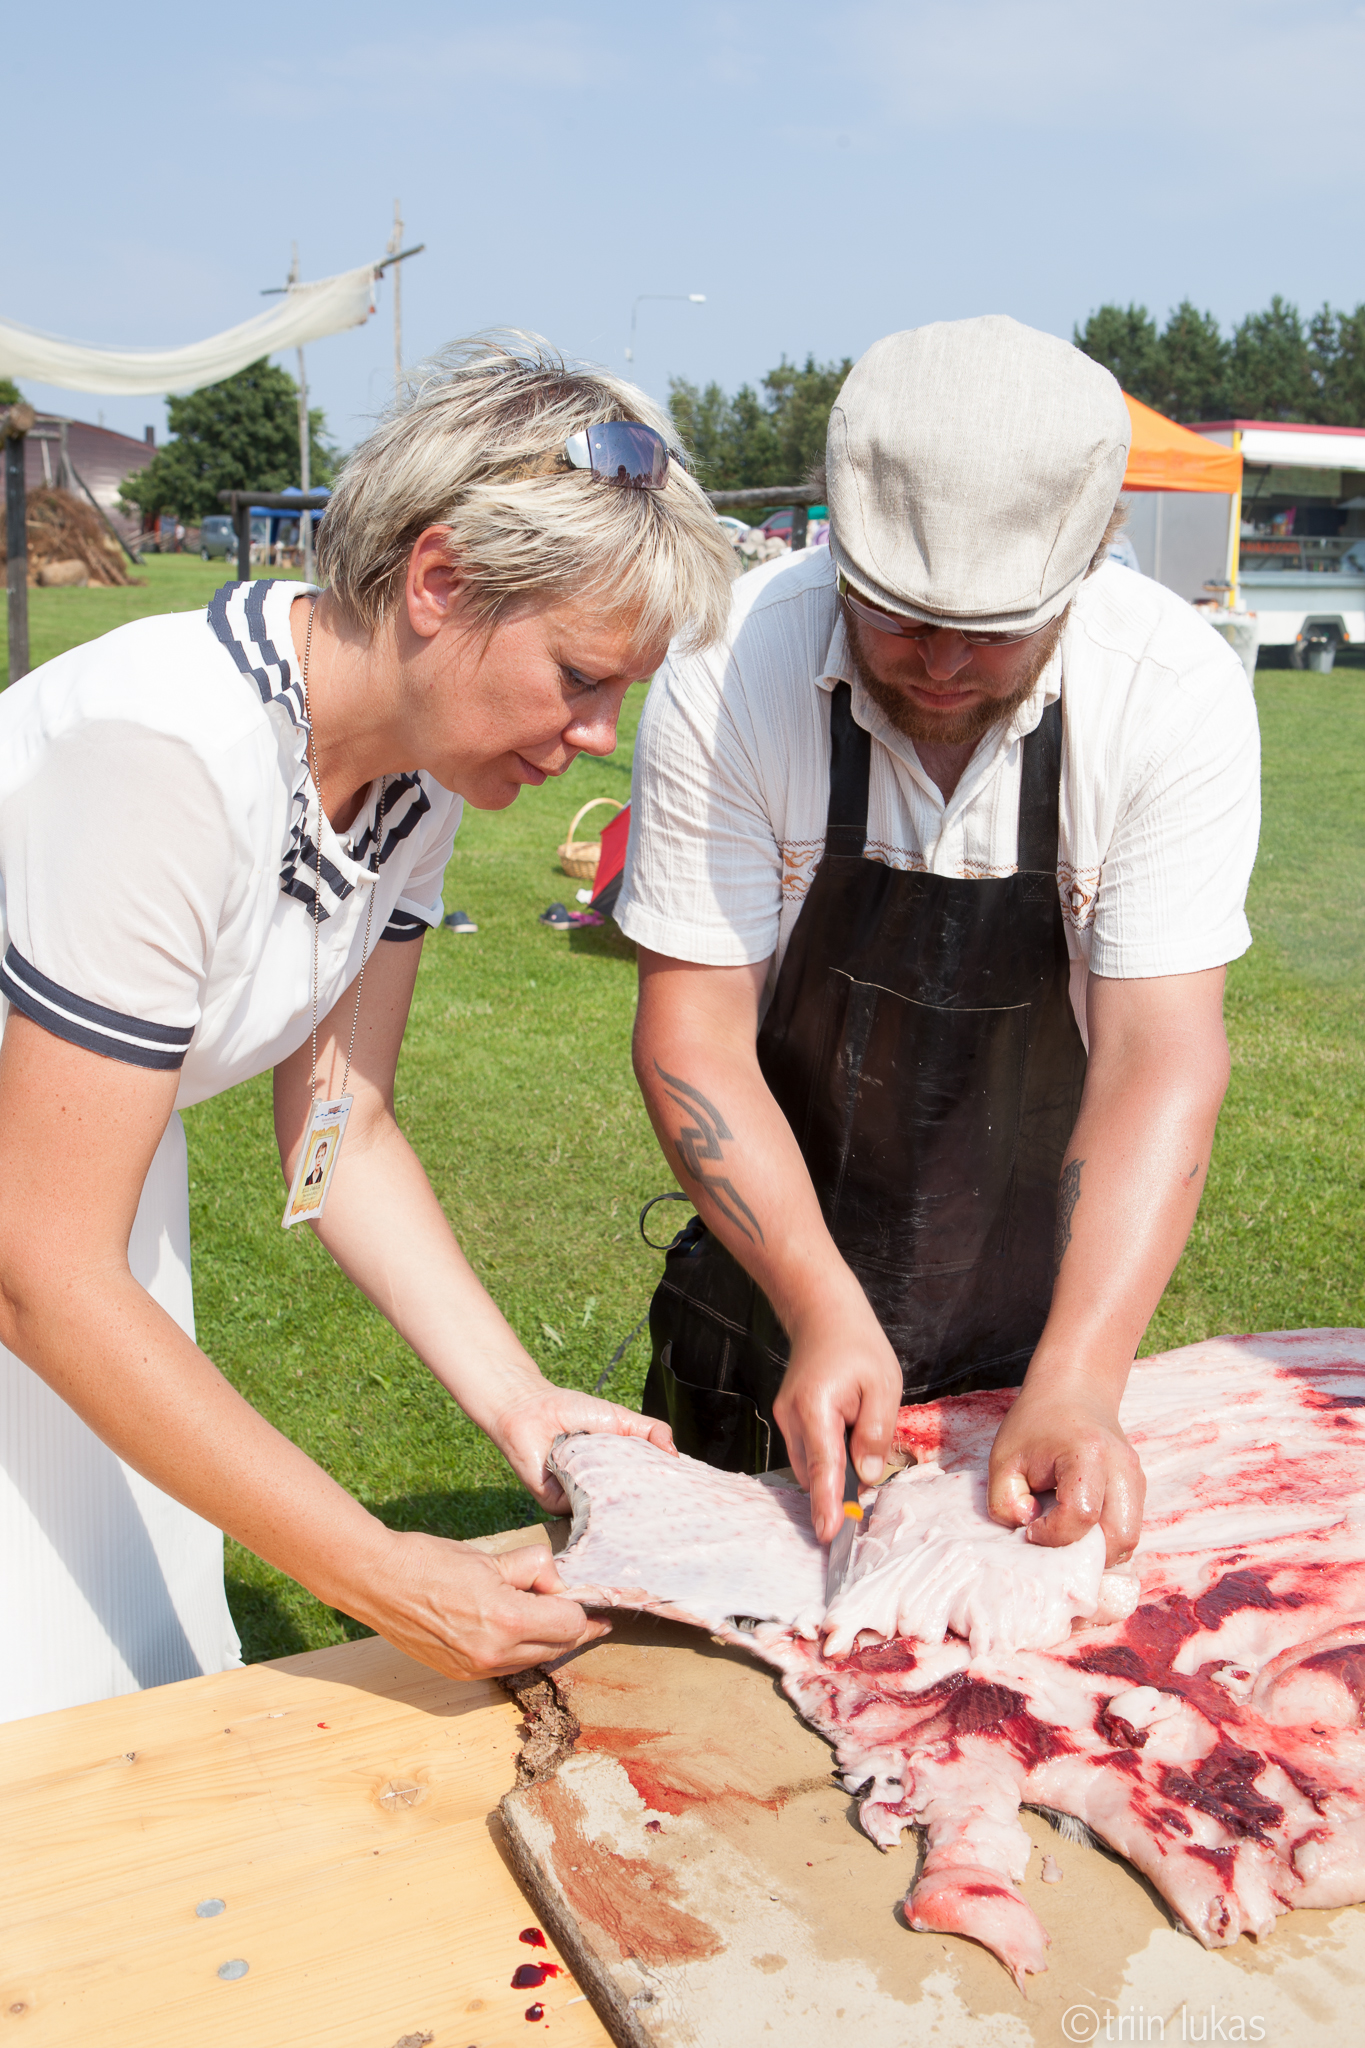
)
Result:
{"points": [[1274, 365], [775, 435]]}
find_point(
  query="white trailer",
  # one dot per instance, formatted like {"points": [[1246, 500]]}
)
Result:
{"points": [[1297, 559]]}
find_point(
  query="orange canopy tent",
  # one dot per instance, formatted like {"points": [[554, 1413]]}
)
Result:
{"points": [[1165, 457]]}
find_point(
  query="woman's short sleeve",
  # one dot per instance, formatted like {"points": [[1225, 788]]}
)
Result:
{"points": [[116, 857], [420, 905]]}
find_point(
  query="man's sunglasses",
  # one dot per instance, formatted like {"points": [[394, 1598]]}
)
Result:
{"points": [[621, 452], [920, 629]]}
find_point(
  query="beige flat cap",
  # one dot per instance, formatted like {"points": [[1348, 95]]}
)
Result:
{"points": [[972, 467]]}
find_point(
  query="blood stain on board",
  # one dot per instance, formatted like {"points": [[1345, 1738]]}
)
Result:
{"points": [[634, 1903], [669, 1776], [532, 1936], [530, 1976], [535, 2012]]}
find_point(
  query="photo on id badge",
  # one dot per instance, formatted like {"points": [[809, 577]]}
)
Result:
{"points": [[317, 1162]]}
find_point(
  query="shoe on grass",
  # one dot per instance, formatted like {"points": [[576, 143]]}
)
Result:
{"points": [[557, 918], [459, 921]]}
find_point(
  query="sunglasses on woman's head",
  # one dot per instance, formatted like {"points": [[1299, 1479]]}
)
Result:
{"points": [[920, 629], [621, 452]]}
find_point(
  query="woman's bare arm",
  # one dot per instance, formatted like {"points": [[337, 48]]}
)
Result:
{"points": [[385, 1228], [77, 1134]]}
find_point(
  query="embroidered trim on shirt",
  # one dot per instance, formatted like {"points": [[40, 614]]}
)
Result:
{"points": [[1079, 889], [895, 857], [905, 862], [800, 859], [133, 1040], [237, 616]]}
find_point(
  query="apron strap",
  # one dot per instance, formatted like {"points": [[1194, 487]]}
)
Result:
{"points": [[1039, 788], [850, 766]]}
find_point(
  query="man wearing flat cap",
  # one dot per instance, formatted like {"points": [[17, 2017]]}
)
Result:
{"points": [[936, 866]]}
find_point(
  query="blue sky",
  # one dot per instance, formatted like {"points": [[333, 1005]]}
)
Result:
{"points": [[824, 174]]}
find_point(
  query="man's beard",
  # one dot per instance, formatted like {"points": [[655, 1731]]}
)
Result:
{"points": [[960, 728]]}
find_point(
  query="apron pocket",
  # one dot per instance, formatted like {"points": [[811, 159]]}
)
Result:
{"points": [[918, 1135], [723, 1428]]}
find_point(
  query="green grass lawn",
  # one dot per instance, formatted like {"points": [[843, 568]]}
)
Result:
{"points": [[515, 1086], [58, 619]]}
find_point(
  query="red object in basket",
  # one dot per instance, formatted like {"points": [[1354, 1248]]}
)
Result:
{"points": [[611, 863]]}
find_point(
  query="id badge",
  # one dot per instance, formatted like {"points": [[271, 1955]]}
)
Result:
{"points": [[317, 1161]]}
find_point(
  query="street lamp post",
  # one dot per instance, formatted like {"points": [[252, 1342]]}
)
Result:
{"points": [[688, 298]]}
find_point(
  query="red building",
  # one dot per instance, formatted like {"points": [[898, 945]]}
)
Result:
{"points": [[67, 453]]}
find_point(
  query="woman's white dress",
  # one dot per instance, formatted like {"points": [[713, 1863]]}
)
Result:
{"points": [[157, 868]]}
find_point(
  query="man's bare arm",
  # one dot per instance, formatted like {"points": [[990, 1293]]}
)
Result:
{"points": [[734, 1153], [1129, 1191]]}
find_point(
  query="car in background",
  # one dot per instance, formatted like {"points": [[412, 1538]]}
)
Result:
{"points": [[731, 526], [217, 536], [778, 525]]}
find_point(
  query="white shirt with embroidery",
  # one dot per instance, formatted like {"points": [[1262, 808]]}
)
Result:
{"points": [[1159, 806], [157, 847]]}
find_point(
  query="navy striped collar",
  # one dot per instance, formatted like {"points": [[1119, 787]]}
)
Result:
{"points": [[237, 615]]}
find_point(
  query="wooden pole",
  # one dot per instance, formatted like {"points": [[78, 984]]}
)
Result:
{"points": [[239, 504], [1234, 530], [394, 246], [18, 420], [769, 494], [77, 478], [305, 436]]}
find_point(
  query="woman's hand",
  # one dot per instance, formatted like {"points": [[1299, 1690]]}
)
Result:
{"points": [[528, 1424], [472, 1615], [1070, 1440]]}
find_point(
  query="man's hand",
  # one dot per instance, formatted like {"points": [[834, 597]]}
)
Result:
{"points": [[839, 1378], [525, 1429], [1070, 1442], [470, 1615]]}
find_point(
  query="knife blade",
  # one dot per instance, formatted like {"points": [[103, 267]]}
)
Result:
{"points": [[845, 1536]]}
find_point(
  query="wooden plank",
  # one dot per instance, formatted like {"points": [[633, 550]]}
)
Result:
{"points": [[338, 1803], [705, 1874]]}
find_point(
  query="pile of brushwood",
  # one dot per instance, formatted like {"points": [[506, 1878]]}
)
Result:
{"points": [[68, 542]]}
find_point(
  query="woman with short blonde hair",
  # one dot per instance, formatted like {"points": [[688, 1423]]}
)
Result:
{"points": [[222, 839]]}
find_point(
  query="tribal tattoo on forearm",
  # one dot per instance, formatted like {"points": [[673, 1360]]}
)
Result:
{"points": [[702, 1141], [1068, 1194]]}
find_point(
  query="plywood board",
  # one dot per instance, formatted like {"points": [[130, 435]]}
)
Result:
{"points": [[705, 1875], [341, 1805]]}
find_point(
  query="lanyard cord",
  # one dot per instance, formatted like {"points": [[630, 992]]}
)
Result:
{"points": [[317, 881]]}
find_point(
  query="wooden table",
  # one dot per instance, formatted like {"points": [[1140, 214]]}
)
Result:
{"points": [[341, 1806]]}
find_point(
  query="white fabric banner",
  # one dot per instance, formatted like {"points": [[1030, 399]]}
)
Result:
{"points": [[305, 313]]}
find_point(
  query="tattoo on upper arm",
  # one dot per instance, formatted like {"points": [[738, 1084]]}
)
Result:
{"points": [[1068, 1194], [703, 1140]]}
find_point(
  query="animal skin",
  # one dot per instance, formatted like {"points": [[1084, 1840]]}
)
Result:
{"points": [[1201, 1710]]}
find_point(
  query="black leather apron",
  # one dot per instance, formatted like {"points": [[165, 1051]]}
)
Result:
{"points": [[922, 1045]]}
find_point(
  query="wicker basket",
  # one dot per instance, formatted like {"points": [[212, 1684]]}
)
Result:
{"points": [[579, 857]]}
